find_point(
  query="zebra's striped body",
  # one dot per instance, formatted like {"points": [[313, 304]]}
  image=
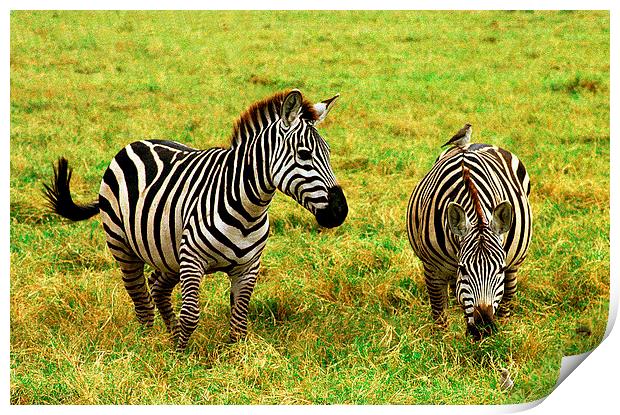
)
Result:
{"points": [[465, 233], [189, 212]]}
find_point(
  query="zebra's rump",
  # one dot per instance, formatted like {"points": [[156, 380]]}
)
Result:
{"points": [[498, 175], [146, 194]]}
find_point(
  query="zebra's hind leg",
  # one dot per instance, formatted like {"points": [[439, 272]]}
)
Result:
{"points": [[161, 290], [510, 287], [135, 284], [437, 287], [241, 288]]}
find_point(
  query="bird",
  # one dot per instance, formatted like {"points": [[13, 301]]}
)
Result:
{"points": [[505, 382], [461, 138]]}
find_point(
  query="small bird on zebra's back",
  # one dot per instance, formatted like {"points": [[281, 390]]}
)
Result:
{"points": [[461, 138]]}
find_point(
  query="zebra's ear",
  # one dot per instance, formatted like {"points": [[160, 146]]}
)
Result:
{"points": [[457, 220], [323, 107], [502, 217], [291, 107]]}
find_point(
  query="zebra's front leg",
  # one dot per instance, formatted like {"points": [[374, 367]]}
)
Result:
{"points": [[437, 288], [241, 288], [190, 278], [510, 287]]}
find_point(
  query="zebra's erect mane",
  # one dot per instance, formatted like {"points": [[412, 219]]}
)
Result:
{"points": [[267, 109], [473, 192]]}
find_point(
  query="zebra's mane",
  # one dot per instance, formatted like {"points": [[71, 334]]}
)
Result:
{"points": [[473, 192], [269, 109]]}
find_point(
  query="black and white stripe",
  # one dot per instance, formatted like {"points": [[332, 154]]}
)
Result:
{"points": [[189, 212], [470, 223]]}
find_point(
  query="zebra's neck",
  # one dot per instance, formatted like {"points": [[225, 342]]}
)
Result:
{"points": [[249, 175]]}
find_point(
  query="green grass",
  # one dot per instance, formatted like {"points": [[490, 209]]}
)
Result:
{"points": [[338, 316]]}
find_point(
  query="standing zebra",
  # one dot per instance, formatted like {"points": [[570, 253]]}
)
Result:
{"points": [[470, 223], [189, 212]]}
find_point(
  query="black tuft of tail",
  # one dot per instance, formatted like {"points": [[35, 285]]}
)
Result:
{"points": [[59, 195]]}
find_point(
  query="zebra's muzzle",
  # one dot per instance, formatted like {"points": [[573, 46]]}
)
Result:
{"points": [[336, 211], [484, 322]]}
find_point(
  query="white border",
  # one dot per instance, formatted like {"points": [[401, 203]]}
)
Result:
{"points": [[593, 388]]}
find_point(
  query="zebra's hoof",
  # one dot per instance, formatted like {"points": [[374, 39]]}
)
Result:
{"points": [[233, 339], [180, 347], [502, 313], [236, 337], [172, 328], [146, 323], [441, 321]]}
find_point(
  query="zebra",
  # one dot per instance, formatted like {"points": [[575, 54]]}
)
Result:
{"points": [[470, 223], [189, 212]]}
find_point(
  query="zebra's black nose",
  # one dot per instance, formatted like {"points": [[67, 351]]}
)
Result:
{"points": [[484, 322], [336, 211]]}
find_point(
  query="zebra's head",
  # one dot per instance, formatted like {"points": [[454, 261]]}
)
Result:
{"points": [[481, 265], [301, 165]]}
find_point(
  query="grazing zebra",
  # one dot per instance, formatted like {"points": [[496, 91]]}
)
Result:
{"points": [[470, 223], [189, 212]]}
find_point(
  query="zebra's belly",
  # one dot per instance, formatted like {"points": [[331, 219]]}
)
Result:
{"points": [[220, 247], [214, 250]]}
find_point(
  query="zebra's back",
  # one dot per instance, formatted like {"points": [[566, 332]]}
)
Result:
{"points": [[498, 174]]}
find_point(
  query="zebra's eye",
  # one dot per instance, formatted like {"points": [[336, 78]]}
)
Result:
{"points": [[462, 269], [304, 154]]}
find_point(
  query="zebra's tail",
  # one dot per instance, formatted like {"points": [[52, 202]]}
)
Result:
{"points": [[59, 195]]}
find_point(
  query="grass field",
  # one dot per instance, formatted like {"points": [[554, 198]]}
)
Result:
{"points": [[338, 316]]}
